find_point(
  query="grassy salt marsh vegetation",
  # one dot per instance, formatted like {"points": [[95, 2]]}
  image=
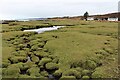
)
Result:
{"points": [[82, 49]]}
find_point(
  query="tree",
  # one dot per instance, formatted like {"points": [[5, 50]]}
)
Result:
{"points": [[86, 16]]}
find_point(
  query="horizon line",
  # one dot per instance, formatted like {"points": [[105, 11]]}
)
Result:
{"points": [[59, 16]]}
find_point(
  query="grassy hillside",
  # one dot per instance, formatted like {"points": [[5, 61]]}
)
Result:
{"points": [[82, 49]]}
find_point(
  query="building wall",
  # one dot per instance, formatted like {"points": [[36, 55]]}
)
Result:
{"points": [[112, 19], [90, 18]]}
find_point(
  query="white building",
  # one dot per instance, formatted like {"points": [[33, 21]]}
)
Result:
{"points": [[112, 19], [90, 18]]}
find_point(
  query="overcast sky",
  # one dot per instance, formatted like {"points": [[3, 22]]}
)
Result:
{"points": [[20, 9]]}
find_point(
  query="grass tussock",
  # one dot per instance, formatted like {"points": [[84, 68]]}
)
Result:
{"points": [[81, 50]]}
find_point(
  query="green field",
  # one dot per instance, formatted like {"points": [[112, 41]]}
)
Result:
{"points": [[82, 49]]}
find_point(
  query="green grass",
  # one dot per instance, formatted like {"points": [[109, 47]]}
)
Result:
{"points": [[74, 46], [88, 48]]}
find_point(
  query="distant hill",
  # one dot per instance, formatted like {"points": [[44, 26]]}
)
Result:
{"points": [[37, 18], [109, 15], [32, 19]]}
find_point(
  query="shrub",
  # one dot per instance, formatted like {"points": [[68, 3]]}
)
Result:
{"points": [[44, 73], [78, 69], [35, 58], [99, 73], [30, 64], [13, 59], [27, 50], [3, 71], [20, 53], [15, 53], [86, 72], [25, 76], [34, 42], [12, 71], [51, 66], [16, 43], [5, 63], [22, 40], [12, 38], [29, 53], [13, 65], [102, 52], [21, 46], [23, 66], [73, 72], [37, 46], [57, 73], [68, 78], [13, 24], [96, 75], [76, 64], [38, 40], [89, 64], [43, 61], [85, 77], [32, 33], [28, 46], [52, 56], [41, 54], [56, 60], [41, 67], [34, 48], [41, 44], [22, 59], [34, 71], [97, 61], [109, 50], [45, 50]]}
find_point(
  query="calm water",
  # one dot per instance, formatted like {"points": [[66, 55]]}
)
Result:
{"points": [[41, 30]]}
